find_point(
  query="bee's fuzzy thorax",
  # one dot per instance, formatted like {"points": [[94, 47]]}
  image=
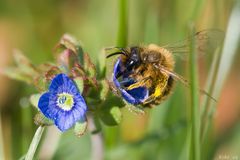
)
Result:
{"points": [[168, 61]]}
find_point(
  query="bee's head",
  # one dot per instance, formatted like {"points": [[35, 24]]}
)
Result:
{"points": [[131, 58]]}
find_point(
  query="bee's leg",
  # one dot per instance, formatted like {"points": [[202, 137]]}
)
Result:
{"points": [[158, 92], [140, 83], [149, 100], [126, 81]]}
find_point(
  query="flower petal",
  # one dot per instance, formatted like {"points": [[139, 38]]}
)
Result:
{"points": [[66, 119], [134, 96], [116, 70], [62, 83], [80, 102], [47, 105]]}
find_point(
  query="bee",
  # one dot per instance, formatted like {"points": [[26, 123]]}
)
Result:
{"points": [[144, 75]]}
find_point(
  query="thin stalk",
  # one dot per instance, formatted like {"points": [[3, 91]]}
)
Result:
{"points": [[122, 23], [231, 44], [96, 141], [194, 114], [97, 146], [197, 9], [207, 101], [1, 139], [35, 141]]}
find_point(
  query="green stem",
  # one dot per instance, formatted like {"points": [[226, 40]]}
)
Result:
{"points": [[96, 140], [197, 9], [35, 141], [194, 115], [122, 24], [207, 101], [1, 139]]}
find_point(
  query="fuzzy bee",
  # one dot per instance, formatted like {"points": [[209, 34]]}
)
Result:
{"points": [[144, 75]]}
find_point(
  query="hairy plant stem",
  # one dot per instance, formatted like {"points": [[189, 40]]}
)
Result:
{"points": [[34, 144], [97, 146]]}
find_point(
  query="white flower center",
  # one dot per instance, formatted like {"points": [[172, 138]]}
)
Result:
{"points": [[65, 101]]}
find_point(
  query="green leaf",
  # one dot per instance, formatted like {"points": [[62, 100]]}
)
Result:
{"points": [[34, 98], [41, 83], [116, 114], [111, 116], [67, 59], [104, 89], [92, 82], [69, 42], [107, 112], [16, 74], [101, 65], [135, 109], [48, 72], [24, 64], [80, 127], [52, 72], [80, 83], [89, 66]]}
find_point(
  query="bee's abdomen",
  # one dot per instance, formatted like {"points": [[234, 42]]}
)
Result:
{"points": [[166, 92]]}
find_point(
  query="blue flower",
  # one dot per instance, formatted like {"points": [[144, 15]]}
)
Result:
{"points": [[63, 103], [134, 96]]}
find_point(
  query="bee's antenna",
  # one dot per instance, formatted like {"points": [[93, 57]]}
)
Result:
{"points": [[122, 51], [116, 53]]}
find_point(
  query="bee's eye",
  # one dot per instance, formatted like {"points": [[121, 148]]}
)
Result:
{"points": [[131, 62]]}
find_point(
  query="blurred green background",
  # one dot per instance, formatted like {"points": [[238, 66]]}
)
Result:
{"points": [[35, 27]]}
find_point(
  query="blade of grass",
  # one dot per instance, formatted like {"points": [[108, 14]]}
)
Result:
{"points": [[194, 114], [122, 24], [231, 43], [197, 8], [121, 41], [35, 141], [209, 88]]}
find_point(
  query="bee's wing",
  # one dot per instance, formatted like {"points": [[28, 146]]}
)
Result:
{"points": [[181, 79], [207, 41]]}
